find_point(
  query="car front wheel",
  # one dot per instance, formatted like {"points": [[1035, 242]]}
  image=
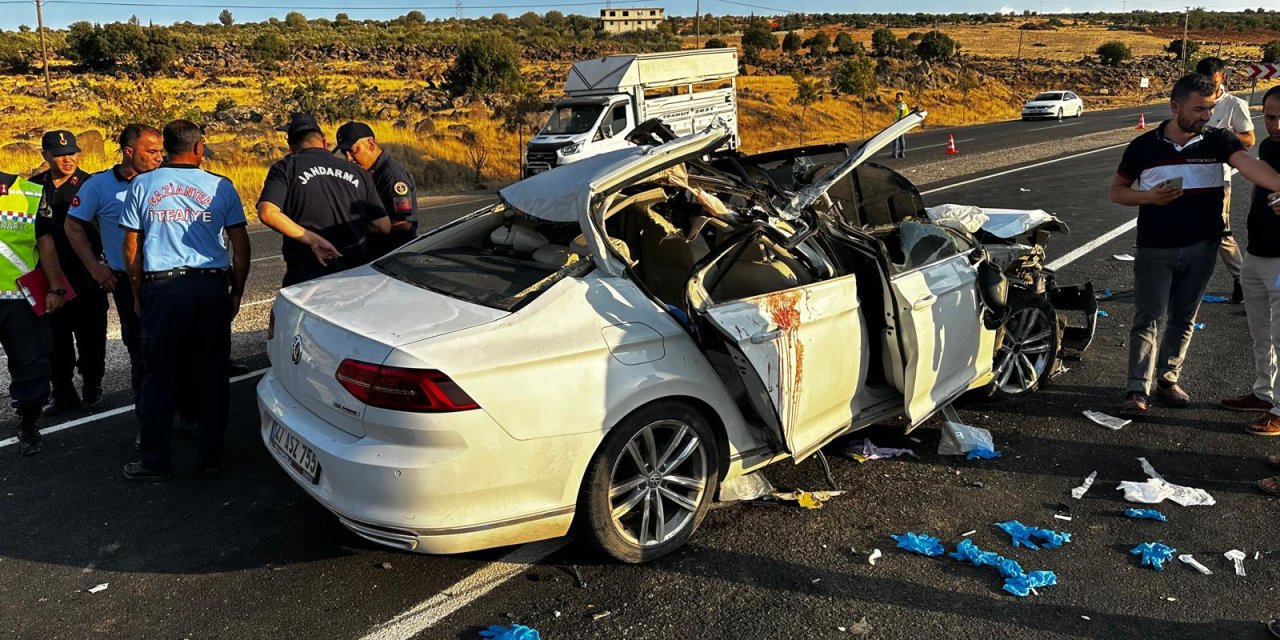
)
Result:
{"points": [[650, 484], [1028, 349]]}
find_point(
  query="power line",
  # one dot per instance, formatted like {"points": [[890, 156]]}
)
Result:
{"points": [[757, 6], [346, 7]]}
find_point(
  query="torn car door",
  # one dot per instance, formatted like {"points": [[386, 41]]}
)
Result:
{"points": [[798, 351]]}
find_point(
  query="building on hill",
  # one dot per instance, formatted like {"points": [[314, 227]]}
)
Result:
{"points": [[614, 20]]}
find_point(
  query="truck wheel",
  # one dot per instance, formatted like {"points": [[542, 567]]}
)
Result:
{"points": [[1028, 350], [650, 484]]}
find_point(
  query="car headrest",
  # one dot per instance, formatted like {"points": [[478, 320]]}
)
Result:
{"points": [[519, 237]]}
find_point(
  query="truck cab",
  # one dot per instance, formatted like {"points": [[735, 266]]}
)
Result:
{"points": [[606, 98]]}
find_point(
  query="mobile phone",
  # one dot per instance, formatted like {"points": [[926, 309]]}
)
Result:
{"points": [[1274, 201], [1172, 183]]}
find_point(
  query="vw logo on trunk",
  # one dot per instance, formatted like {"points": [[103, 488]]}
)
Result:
{"points": [[296, 352]]}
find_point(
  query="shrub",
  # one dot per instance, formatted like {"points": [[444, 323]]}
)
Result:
{"points": [[269, 47], [791, 42], [415, 17], [716, 43], [750, 55], [12, 58], [1113, 53], [486, 64], [937, 45], [295, 20], [225, 104], [119, 44], [760, 37], [1271, 52], [846, 45], [1175, 47], [819, 45], [883, 41], [122, 102]]}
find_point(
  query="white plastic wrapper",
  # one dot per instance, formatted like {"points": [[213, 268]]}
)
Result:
{"points": [[1103, 420], [1188, 559], [1079, 491], [748, 487], [1156, 489], [1236, 557], [959, 438]]}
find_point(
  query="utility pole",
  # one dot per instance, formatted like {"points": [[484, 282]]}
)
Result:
{"points": [[697, 23], [1186, 19], [44, 51], [1020, 32]]}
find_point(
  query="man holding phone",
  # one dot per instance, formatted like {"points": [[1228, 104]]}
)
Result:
{"points": [[1174, 175]]}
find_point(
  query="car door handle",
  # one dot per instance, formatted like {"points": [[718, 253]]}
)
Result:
{"points": [[765, 336], [924, 303]]}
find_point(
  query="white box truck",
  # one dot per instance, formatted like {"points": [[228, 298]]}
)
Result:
{"points": [[606, 98]]}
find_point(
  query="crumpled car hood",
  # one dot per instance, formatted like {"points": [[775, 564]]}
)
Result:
{"points": [[1001, 223]]}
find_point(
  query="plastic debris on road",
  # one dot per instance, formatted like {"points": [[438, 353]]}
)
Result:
{"points": [[1145, 514], [1214, 299], [1188, 559], [1106, 294], [875, 555], [746, 487], [1123, 257], [865, 450], [807, 499], [1016, 581], [514, 632], [920, 543], [1236, 557], [1062, 517], [101, 587], [1103, 420], [959, 439], [1022, 585], [1154, 554], [1079, 491], [1102, 313], [1199, 326], [1156, 489], [1022, 535], [978, 453]]}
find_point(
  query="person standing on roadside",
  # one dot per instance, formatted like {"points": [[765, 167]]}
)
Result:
{"points": [[1229, 112], [26, 243], [1173, 175], [900, 111], [393, 182], [188, 287], [98, 207], [323, 205], [80, 328]]}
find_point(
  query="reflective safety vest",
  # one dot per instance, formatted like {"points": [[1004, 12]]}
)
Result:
{"points": [[20, 202]]}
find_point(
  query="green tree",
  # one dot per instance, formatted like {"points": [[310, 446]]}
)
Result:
{"points": [[759, 36], [269, 47], [1175, 47], [808, 92], [521, 115], [967, 81], [883, 41], [1271, 52], [791, 42], [1113, 53], [226, 18], [856, 77], [485, 64], [415, 17], [715, 43], [819, 45], [295, 20], [937, 45], [846, 45], [751, 55]]}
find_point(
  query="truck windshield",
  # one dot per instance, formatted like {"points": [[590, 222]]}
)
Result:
{"points": [[572, 119]]}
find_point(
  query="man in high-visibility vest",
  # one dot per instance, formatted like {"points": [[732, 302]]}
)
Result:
{"points": [[26, 242], [900, 111]]}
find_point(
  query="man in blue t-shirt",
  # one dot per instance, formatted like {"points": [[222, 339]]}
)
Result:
{"points": [[1174, 175], [101, 201], [180, 270]]}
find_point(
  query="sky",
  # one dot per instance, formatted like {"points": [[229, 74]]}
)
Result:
{"points": [[60, 13]]}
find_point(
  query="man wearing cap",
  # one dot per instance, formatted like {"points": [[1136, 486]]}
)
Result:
{"points": [[323, 205], [26, 243], [189, 288], [80, 329], [99, 204], [392, 180]]}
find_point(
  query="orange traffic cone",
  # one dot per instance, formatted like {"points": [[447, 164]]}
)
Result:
{"points": [[951, 144], [1142, 121]]}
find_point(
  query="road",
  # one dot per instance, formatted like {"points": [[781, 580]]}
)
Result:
{"points": [[247, 554]]}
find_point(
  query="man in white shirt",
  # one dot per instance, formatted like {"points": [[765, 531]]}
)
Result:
{"points": [[1229, 112]]}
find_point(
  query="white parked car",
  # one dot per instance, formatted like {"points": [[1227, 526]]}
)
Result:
{"points": [[1053, 104], [621, 336]]}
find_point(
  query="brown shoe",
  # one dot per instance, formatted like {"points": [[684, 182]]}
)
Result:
{"points": [[1267, 424], [1173, 395], [1247, 402], [1135, 405]]}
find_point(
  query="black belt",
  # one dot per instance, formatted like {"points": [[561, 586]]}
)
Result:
{"points": [[152, 276]]}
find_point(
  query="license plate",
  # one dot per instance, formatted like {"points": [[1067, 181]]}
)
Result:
{"points": [[300, 456]]}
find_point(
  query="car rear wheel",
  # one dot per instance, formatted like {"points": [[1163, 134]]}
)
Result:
{"points": [[1029, 346], [650, 484]]}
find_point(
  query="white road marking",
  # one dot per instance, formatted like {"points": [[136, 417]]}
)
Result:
{"points": [[1080, 251], [1057, 126], [111, 412], [465, 591], [1030, 166]]}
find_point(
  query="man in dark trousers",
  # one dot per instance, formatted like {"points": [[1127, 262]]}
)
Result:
{"points": [[26, 244], [80, 328], [98, 206], [1174, 175], [324, 206], [189, 289], [393, 181]]}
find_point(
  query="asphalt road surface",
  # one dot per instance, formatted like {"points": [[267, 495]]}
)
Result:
{"points": [[247, 554]]}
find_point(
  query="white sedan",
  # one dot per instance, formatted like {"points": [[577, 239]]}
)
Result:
{"points": [[1053, 104], [621, 337]]}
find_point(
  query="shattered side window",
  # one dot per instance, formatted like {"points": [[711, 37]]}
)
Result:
{"points": [[913, 245]]}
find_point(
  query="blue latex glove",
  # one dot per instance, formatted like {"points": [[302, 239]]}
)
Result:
{"points": [[1145, 514], [985, 454], [1022, 535], [1215, 299], [1154, 554], [919, 543], [1198, 326], [1022, 585], [516, 632], [1102, 313], [1009, 568]]}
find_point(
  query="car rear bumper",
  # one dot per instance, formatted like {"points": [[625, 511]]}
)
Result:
{"points": [[464, 487]]}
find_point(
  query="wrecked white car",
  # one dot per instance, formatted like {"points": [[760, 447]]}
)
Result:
{"points": [[619, 336]]}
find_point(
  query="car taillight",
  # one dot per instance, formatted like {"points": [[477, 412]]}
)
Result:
{"points": [[400, 389], [271, 324]]}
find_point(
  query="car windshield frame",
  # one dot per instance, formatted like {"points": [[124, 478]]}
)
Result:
{"points": [[1048, 96], [569, 109]]}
